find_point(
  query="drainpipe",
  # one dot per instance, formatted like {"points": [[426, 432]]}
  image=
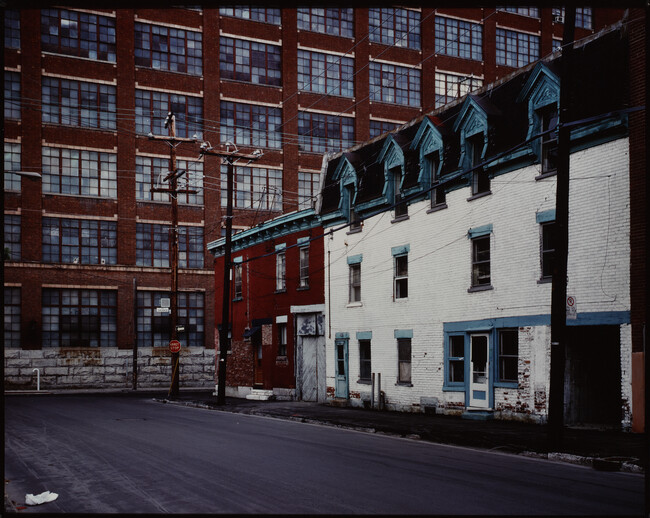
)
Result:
{"points": [[372, 392]]}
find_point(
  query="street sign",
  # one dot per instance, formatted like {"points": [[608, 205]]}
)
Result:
{"points": [[163, 310], [174, 346], [571, 310]]}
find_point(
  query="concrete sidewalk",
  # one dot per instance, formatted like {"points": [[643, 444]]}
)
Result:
{"points": [[603, 449]]}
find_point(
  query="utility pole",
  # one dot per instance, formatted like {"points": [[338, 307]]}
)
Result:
{"points": [[559, 287], [172, 178], [230, 157]]}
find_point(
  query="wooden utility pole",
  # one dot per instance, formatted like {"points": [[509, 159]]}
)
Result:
{"points": [[230, 158], [172, 178], [559, 288]]}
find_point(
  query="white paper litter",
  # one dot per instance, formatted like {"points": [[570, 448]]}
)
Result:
{"points": [[43, 498]]}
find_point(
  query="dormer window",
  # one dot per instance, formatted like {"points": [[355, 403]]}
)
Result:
{"points": [[480, 178], [549, 119], [355, 220], [401, 208], [438, 196]]}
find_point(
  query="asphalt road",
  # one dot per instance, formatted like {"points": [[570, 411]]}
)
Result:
{"points": [[116, 454]]}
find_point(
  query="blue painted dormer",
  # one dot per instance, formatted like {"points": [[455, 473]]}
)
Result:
{"points": [[346, 175], [392, 158], [472, 126], [542, 95], [428, 142]]}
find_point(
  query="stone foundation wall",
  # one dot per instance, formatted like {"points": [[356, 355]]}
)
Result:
{"points": [[94, 368]]}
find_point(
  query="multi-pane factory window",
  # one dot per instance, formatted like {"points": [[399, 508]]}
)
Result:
{"points": [[12, 236], [258, 14], [154, 327], [12, 28], [151, 171], [395, 27], [255, 188], [380, 127], [319, 132], [307, 189], [153, 246], [459, 38], [86, 173], [532, 12], [11, 316], [584, 16], [165, 48], [250, 61], [12, 95], [76, 241], [394, 84], [11, 163], [78, 103], [325, 73], [78, 34], [151, 109], [516, 49], [190, 247], [79, 318], [251, 125], [450, 87], [331, 20]]}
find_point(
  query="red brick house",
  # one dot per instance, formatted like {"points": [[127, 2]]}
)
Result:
{"points": [[277, 309]]}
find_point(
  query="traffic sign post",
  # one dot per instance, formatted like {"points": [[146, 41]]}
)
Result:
{"points": [[174, 346]]}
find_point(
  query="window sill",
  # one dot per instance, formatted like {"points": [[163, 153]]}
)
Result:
{"points": [[480, 288], [400, 218], [479, 195], [237, 299], [401, 299], [304, 288], [548, 174], [355, 304], [353, 231], [403, 384], [364, 382], [506, 384], [545, 280], [186, 74], [436, 208], [452, 388], [280, 291], [229, 80]]}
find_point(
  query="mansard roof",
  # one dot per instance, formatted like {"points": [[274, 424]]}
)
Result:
{"points": [[599, 85]]}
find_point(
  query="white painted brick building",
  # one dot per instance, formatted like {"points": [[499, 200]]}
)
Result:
{"points": [[450, 303]]}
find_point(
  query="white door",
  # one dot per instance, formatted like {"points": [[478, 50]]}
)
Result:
{"points": [[479, 382]]}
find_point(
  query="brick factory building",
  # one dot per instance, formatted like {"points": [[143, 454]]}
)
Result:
{"points": [[86, 230]]}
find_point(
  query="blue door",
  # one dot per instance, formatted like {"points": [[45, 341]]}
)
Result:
{"points": [[341, 361]]}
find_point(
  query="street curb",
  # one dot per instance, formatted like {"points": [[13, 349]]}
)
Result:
{"points": [[594, 462]]}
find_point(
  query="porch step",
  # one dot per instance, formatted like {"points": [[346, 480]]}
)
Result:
{"points": [[260, 395], [478, 415]]}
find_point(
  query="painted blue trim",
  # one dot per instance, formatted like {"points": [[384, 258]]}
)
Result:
{"points": [[400, 250], [479, 394], [281, 246], [479, 231], [364, 335], [238, 260], [545, 216], [506, 384], [403, 333], [303, 240], [342, 335], [592, 318], [355, 259]]}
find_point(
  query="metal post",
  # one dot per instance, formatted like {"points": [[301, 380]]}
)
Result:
{"points": [[135, 334], [558, 293], [372, 392]]}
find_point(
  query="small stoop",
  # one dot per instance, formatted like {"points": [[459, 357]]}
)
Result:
{"points": [[478, 415], [260, 395]]}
